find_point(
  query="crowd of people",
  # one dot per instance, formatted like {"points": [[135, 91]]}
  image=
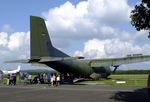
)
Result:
{"points": [[25, 78], [41, 78], [11, 79]]}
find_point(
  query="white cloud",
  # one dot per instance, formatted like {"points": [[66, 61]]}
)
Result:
{"points": [[96, 48], [122, 48], [78, 54], [3, 39], [17, 40], [87, 20], [14, 46], [109, 11]]}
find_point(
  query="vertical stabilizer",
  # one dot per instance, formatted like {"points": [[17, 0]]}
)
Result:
{"points": [[41, 45]]}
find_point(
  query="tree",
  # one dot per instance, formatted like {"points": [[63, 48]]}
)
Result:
{"points": [[140, 16]]}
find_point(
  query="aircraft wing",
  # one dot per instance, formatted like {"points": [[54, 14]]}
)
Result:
{"points": [[34, 62], [119, 61], [41, 60]]}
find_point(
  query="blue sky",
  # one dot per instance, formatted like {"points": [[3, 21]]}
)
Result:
{"points": [[17, 12], [77, 23]]}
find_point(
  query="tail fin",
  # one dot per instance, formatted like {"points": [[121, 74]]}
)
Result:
{"points": [[41, 45]]}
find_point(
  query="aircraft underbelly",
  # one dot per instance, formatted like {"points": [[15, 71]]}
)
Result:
{"points": [[74, 67]]}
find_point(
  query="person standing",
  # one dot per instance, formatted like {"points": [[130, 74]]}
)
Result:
{"points": [[14, 79], [49, 78], [11, 79], [30, 78], [52, 80], [44, 77], [58, 80], [1, 78], [8, 79]]}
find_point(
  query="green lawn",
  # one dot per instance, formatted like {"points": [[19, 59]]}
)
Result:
{"points": [[131, 80]]}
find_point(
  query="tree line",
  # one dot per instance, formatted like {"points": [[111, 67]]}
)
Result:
{"points": [[132, 72]]}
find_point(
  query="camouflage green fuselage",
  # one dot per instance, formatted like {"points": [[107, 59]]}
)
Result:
{"points": [[78, 67]]}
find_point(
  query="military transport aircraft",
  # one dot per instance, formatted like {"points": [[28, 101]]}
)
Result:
{"points": [[42, 52]]}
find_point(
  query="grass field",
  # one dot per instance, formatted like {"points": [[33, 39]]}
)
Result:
{"points": [[130, 80], [5, 80]]}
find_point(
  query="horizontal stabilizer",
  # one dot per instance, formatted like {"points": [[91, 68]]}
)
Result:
{"points": [[18, 61]]}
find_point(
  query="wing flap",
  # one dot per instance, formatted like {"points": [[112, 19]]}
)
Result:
{"points": [[52, 59]]}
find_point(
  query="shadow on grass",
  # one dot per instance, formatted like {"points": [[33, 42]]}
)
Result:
{"points": [[139, 95]]}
